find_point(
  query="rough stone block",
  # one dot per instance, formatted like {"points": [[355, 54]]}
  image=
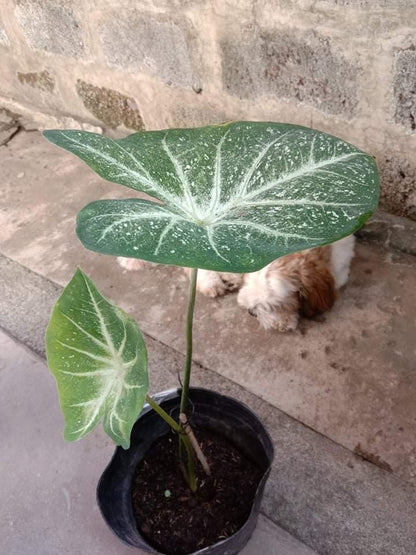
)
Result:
{"points": [[109, 106], [51, 27], [42, 80], [27, 118], [398, 186], [392, 232], [9, 125], [279, 63], [7, 134], [4, 39], [186, 115], [405, 88], [8, 118], [157, 47], [392, 4]]}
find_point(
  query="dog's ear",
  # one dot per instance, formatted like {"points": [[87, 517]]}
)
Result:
{"points": [[317, 292]]}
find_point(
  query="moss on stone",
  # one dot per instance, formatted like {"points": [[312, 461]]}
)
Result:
{"points": [[110, 106], [42, 80]]}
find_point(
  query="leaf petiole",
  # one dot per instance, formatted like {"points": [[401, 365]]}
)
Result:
{"points": [[166, 417]]}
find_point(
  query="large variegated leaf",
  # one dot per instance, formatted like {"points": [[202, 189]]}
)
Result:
{"points": [[234, 197], [99, 359]]}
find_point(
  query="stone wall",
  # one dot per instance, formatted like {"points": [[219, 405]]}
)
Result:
{"points": [[347, 67]]}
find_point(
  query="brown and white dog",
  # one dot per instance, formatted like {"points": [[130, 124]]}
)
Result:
{"points": [[301, 283]]}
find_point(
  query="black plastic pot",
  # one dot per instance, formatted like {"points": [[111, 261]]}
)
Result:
{"points": [[211, 410]]}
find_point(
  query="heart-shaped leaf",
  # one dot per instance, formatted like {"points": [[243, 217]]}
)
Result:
{"points": [[234, 197], [98, 357]]}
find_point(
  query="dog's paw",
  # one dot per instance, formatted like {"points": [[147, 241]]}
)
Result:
{"points": [[232, 282], [217, 290], [285, 322], [131, 263], [271, 318], [210, 284]]}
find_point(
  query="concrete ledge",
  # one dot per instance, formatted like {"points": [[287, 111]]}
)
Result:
{"points": [[320, 492], [26, 303]]}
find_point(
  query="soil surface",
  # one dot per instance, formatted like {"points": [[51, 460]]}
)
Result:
{"points": [[175, 520]]}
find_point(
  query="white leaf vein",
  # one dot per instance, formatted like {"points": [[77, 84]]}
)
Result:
{"points": [[210, 235], [146, 180], [163, 235], [217, 179], [182, 178], [85, 332], [266, 230], [85, 353], [250, 172]]}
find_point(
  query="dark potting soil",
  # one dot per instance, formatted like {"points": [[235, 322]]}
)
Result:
{"points": [[175, 520]]}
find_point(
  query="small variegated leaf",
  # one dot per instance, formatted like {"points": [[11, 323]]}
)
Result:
{"points": [[234, 197], [98, 357]]}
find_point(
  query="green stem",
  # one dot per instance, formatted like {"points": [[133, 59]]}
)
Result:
{"points": [[189, 321], [189, 468]]}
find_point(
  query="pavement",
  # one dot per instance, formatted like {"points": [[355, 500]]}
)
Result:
{"points": [[338, 396]]}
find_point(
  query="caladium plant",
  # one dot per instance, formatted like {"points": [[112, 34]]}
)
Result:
{"points": [[230, 198]]}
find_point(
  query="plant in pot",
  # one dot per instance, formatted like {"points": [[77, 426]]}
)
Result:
{"points": [[191, 465]]}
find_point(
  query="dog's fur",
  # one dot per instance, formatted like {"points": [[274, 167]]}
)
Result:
{"points": [[304, 282], [301, 283]]}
